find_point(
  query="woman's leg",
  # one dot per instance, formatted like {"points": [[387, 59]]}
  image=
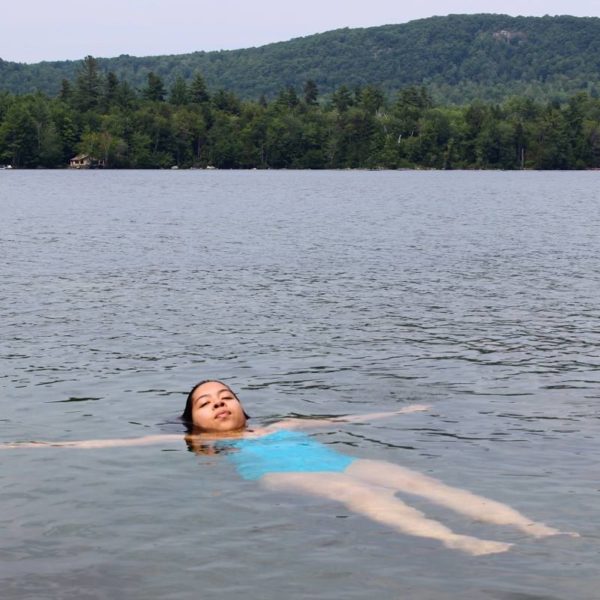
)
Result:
{"points": [[402, 479], [379, 504]]}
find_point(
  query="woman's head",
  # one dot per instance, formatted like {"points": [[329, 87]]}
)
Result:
{"points": [[212, 406]]}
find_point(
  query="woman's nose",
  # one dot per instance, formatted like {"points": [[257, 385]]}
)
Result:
{"points": [[218, 404]]}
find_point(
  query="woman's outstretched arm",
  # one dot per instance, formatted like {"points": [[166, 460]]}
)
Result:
{"points": [[362, 418], [114, 443]]}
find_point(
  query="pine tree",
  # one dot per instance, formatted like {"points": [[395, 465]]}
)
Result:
{"points": [[198, 92], [179, 94], [311, 93], [155, 90], [88, 85]]}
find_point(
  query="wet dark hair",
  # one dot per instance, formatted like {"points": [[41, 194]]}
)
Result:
{"points": [[186, 415]]}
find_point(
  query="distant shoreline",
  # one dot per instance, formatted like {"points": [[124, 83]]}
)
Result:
{"points": [[358, 169]]}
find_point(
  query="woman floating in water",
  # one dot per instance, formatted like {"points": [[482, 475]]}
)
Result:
{"points": [[283, 458]]}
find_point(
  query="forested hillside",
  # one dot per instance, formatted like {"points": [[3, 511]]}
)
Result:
{"points": [[459, 58], [191, 125]]}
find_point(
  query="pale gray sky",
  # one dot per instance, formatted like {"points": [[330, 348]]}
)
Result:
{"points": [[35, 30]]}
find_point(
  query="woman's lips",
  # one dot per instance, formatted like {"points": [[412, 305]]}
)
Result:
{"points": [[222, 414]]}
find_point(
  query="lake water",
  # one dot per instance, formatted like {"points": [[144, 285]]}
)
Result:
{"points": [[312, 293]]}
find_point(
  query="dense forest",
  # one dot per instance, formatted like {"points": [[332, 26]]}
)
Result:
{"points": [[459, 58], [190, 125]]}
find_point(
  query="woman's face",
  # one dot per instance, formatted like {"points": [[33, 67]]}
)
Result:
{"points": [[215, 408]]}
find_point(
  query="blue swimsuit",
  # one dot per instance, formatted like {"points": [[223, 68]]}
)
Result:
{"points": [[283, 452]]}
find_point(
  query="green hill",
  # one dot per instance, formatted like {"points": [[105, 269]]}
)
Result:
{"points": [[459, 57]]}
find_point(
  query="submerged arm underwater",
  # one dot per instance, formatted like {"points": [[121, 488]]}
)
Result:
{"points": [[306, 423], [91, 444]]}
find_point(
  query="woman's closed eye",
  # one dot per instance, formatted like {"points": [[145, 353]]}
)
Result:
{"points": [[207, 402]]}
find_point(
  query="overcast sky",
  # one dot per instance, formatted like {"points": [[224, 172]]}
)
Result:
{"points": [[35, 30]]}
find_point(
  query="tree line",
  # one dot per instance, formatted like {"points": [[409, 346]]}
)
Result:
{"points": [[189, 125]]}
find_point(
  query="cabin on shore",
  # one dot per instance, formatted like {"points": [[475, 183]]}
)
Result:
{"points": [[85, 161]]}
